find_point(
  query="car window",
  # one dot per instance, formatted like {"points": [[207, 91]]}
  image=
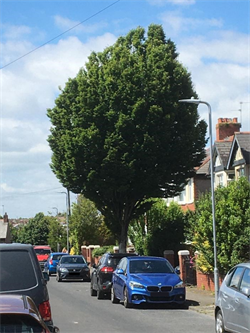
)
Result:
{"points": [[120, 263], [149, 266], [57, 256], [235, 279], [245, 283], [113, 262], [17, 271], [123, 264], [19, 323]]}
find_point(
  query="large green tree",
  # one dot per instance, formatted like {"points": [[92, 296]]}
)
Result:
{"points": [[87, 226], [41, 230], [232, 218], [119, 135]]}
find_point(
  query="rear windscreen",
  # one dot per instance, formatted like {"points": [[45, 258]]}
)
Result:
{"points": [[57, 256], [113, 262], [19, 323], [42, 251], [17, 272]]}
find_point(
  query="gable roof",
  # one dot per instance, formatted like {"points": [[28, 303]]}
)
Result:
{"points": [[241, 141], [222, 149]]}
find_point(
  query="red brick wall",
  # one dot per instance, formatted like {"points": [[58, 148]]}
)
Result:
{"points": [[206, 281]]}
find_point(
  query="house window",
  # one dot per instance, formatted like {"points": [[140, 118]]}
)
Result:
{"points": [[241, 172], [220, 179]]}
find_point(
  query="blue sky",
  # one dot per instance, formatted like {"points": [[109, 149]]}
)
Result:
{"points": [[212, 39]]}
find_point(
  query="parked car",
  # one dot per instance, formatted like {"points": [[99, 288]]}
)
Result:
{"points": [[52, 262], [101, 277], [18, 313], [42, 252], [144, 279], [232, 308], [72, 267], [21, 274]]}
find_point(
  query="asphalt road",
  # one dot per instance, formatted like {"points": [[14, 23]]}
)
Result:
{"points": [[75, 311]]}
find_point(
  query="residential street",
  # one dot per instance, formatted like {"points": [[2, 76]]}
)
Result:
{"points": [[75, 311]]}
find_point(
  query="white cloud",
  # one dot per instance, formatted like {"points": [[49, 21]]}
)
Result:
{"points": [[64, 24], [15, 31], [174, 2], [174, 23]]}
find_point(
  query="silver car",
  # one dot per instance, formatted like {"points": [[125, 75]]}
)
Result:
{"points": [[232, 311]]}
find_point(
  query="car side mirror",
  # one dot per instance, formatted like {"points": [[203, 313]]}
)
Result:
{"points": [[177, 270], [120, 271], [45, 276], [246, 291]]}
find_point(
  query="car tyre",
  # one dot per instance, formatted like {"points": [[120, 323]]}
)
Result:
{"points": [[92, 291], [58, 279], [219, 323], [114, 299], [126, 302], [99, 294]]}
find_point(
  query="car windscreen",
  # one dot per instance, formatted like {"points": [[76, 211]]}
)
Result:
{"points": [[17, 271], [72, 260], [150, 266], [19, 323]]}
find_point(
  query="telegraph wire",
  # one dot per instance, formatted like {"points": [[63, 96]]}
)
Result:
{"points": [[52, 39]]}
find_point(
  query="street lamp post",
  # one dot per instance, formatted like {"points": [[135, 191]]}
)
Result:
{"points": [[216, 274], [67, 217]]}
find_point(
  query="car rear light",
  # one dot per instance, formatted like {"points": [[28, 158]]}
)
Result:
{"points": [[51, 262], [45, 311], [107, 269]]}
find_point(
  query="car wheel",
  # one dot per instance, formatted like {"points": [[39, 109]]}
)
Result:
{"points": [[126, 302], [58, 279], [114, 300], [92, 291], [99, 294], [219, 323]]}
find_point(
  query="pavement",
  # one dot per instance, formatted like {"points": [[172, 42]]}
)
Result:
{"points": [[201, 301]]}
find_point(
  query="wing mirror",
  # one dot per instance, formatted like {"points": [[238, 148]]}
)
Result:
{"points": [[120, 271]]}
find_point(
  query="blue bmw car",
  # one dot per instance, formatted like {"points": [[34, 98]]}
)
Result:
{"points": [[144, 279]]}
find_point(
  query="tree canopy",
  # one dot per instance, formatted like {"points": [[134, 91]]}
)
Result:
{"points": [[119, 135], [159, 229], [232, 217]]}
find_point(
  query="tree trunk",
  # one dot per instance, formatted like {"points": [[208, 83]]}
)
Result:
{"points": [[123, 237]]}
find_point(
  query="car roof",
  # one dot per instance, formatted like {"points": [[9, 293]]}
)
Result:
{"points": [[62, 253], [42, 246], [146, 258], [120, 254], [15, 246], [18, 304], [244, 264]]}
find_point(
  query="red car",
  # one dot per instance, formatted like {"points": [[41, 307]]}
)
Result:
{"points": [[42, 253], [18, 313]]}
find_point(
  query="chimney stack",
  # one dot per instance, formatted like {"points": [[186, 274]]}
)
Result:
{"points": [[5, 218], [226, 127]]}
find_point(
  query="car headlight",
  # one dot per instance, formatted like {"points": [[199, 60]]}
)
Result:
{"points": [[64, 270], [179, 285], [86, 269], [136, 285]]}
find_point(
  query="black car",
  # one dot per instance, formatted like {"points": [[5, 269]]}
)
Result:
{"points": [[72, 267], [101, 276], [20, 273]]}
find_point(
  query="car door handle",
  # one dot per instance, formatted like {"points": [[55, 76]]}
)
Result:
{"points": [[237, 300]]}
